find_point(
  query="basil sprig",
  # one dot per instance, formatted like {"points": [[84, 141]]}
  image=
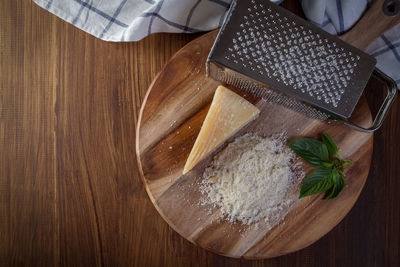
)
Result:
{"points": [[329, 175]]}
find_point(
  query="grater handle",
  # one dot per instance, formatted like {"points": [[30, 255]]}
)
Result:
{"points": [[384, 109], [380, 17]]}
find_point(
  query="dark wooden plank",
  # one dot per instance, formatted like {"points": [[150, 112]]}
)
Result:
{"points": [[28, 193]]}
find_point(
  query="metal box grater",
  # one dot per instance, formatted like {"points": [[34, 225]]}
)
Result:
{"points": [[262, 46]]}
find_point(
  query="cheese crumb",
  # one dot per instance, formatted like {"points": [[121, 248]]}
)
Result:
{"points": [[253, 178]]}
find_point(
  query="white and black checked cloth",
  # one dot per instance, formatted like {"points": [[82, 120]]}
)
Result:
{"points": [[132, 20]]}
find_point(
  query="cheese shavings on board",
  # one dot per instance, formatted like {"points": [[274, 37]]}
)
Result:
{"points": [[253, 178]]}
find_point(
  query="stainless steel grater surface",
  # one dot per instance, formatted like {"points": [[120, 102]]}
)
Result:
{"points": [[262, 44]]}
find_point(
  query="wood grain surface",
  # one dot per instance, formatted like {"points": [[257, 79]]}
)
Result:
{"points": [[372, 24], [169, 122], [70, 191]]}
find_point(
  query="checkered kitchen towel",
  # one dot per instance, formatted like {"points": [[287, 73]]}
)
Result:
{"points": [[132, 20]]}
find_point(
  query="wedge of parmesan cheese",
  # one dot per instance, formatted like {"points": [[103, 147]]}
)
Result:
{"points": [[228, 113]]}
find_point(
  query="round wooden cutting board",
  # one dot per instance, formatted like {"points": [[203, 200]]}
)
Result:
{"points": [[170, 119]]}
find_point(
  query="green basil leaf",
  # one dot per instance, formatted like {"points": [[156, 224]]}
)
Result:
{"points": [[346, 163], [316, 182], [338, 186], [327, 164], [330, 144], [312, 151]]}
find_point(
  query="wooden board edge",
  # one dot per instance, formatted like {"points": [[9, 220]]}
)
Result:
{"points": [[140, 118]]}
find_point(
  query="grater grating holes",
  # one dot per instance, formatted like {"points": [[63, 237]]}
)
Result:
{"points": [[295, 52]]}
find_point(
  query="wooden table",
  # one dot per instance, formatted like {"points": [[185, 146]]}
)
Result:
{"points": [[70, 192]]}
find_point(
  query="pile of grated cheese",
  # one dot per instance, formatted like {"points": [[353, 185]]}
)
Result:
{"points": [[253, 178]]}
